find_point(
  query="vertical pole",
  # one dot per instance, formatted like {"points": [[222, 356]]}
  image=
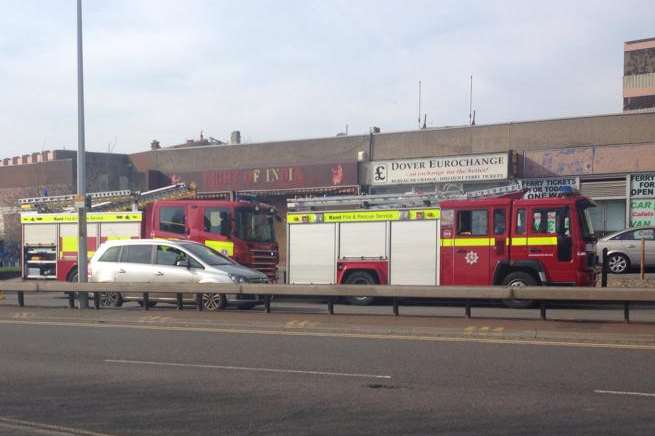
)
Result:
{"points": [[71, 300], [146, 301], [468, 309], [21, 298], [83, 297], [642, 258], [603, 276], [542, 310], [96, 300], [180, 303], [395, 306]]}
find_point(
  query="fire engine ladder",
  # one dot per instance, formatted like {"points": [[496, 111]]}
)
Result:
{"points": [[103, 200], [407, 200]]}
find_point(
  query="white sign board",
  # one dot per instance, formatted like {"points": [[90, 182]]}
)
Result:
{"points": [[546, 188], [642, 213], [642, 186], [471, 168]]}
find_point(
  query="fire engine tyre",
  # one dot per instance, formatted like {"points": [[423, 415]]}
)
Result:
{"points": [[360, 278], [214, 302], [519, 279], [111, 299], [618, 263]]}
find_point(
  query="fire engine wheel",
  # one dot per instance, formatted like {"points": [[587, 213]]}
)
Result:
{"points": [[618, 263], [214, 302], [360, 278], [111, 299], [519, 279]]}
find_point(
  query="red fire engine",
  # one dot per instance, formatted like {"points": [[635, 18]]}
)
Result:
{"points": [[491, 237], [240, 229]]}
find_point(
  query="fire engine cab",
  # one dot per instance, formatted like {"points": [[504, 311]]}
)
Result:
{"points": [[490, 237], [240, 229]]}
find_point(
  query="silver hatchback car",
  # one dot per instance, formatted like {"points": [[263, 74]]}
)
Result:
{"points": [[171, 261], [624, 249]]}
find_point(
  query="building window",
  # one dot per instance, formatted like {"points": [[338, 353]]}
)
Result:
{"points": [[608, 216]]}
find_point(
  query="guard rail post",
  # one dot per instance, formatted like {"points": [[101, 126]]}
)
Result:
{"points": [[331, 305], [199, 302], [603, 273], [21, 298], [626, 312], [96, 300], [178, 300], [542, 310], [395, 306], [467, 310], [146, 301], [267, 303], [71, 300]]}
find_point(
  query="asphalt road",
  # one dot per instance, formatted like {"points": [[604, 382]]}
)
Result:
{"points": [[125, 372]]}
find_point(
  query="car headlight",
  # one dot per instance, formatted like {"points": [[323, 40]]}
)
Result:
{"points": [[237, 279]]}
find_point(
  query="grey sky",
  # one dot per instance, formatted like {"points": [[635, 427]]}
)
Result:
{"points": [[281, 69]]}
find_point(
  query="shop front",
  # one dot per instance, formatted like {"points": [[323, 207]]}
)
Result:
{"points": [[441, 174]]}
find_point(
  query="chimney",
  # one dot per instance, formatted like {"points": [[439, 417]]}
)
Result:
{"points": [[235, 137], [154, 145]]}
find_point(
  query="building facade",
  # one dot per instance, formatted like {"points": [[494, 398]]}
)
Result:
{"points": [[639, 75]]}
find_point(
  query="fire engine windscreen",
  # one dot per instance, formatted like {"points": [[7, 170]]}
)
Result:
{"points": [[254, 226], [585, 219]]}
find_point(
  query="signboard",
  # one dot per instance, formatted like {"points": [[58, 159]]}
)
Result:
{"points": [[642, 186], [273, 178], [547, 188], [470, 168], [642, 213]]}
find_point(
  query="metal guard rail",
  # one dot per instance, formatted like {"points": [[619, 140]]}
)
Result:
{"points": [[467, 294]]}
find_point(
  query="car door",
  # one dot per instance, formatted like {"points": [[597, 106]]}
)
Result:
{"points": [[135, 264], [648, 235], [472, 246], [173, 265]]}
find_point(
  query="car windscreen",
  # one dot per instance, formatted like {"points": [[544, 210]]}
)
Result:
{"points": [[207, 255]]}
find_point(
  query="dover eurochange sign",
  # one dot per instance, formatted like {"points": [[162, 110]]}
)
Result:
{"points": [[547, 188], [642, 186], [440, 169]]}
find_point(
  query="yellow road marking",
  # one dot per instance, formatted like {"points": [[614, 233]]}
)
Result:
{"points": [[343, 335]]}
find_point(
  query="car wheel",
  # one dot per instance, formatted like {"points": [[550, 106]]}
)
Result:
{"points": [[519, 280], [111, 299], [214, 302], [360, 278], [618, 263]]}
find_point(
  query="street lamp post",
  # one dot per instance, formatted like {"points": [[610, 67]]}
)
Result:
{"points": [[81, 168]]}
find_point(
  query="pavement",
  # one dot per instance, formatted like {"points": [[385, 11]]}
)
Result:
{"points": [[72, 372]]}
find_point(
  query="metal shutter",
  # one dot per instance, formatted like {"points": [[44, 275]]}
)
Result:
{"points": [[603, 189]]}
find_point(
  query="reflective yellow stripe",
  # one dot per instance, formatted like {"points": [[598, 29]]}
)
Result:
{"points": [[223, 247], [425, 214], [373, 215], [535, 240], [301, 218], [468, 242], [69, 244], [96, 217], [118, 238]]}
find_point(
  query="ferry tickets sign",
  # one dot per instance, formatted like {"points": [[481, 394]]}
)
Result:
{"points": [[472, 168], [642, 186]]}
